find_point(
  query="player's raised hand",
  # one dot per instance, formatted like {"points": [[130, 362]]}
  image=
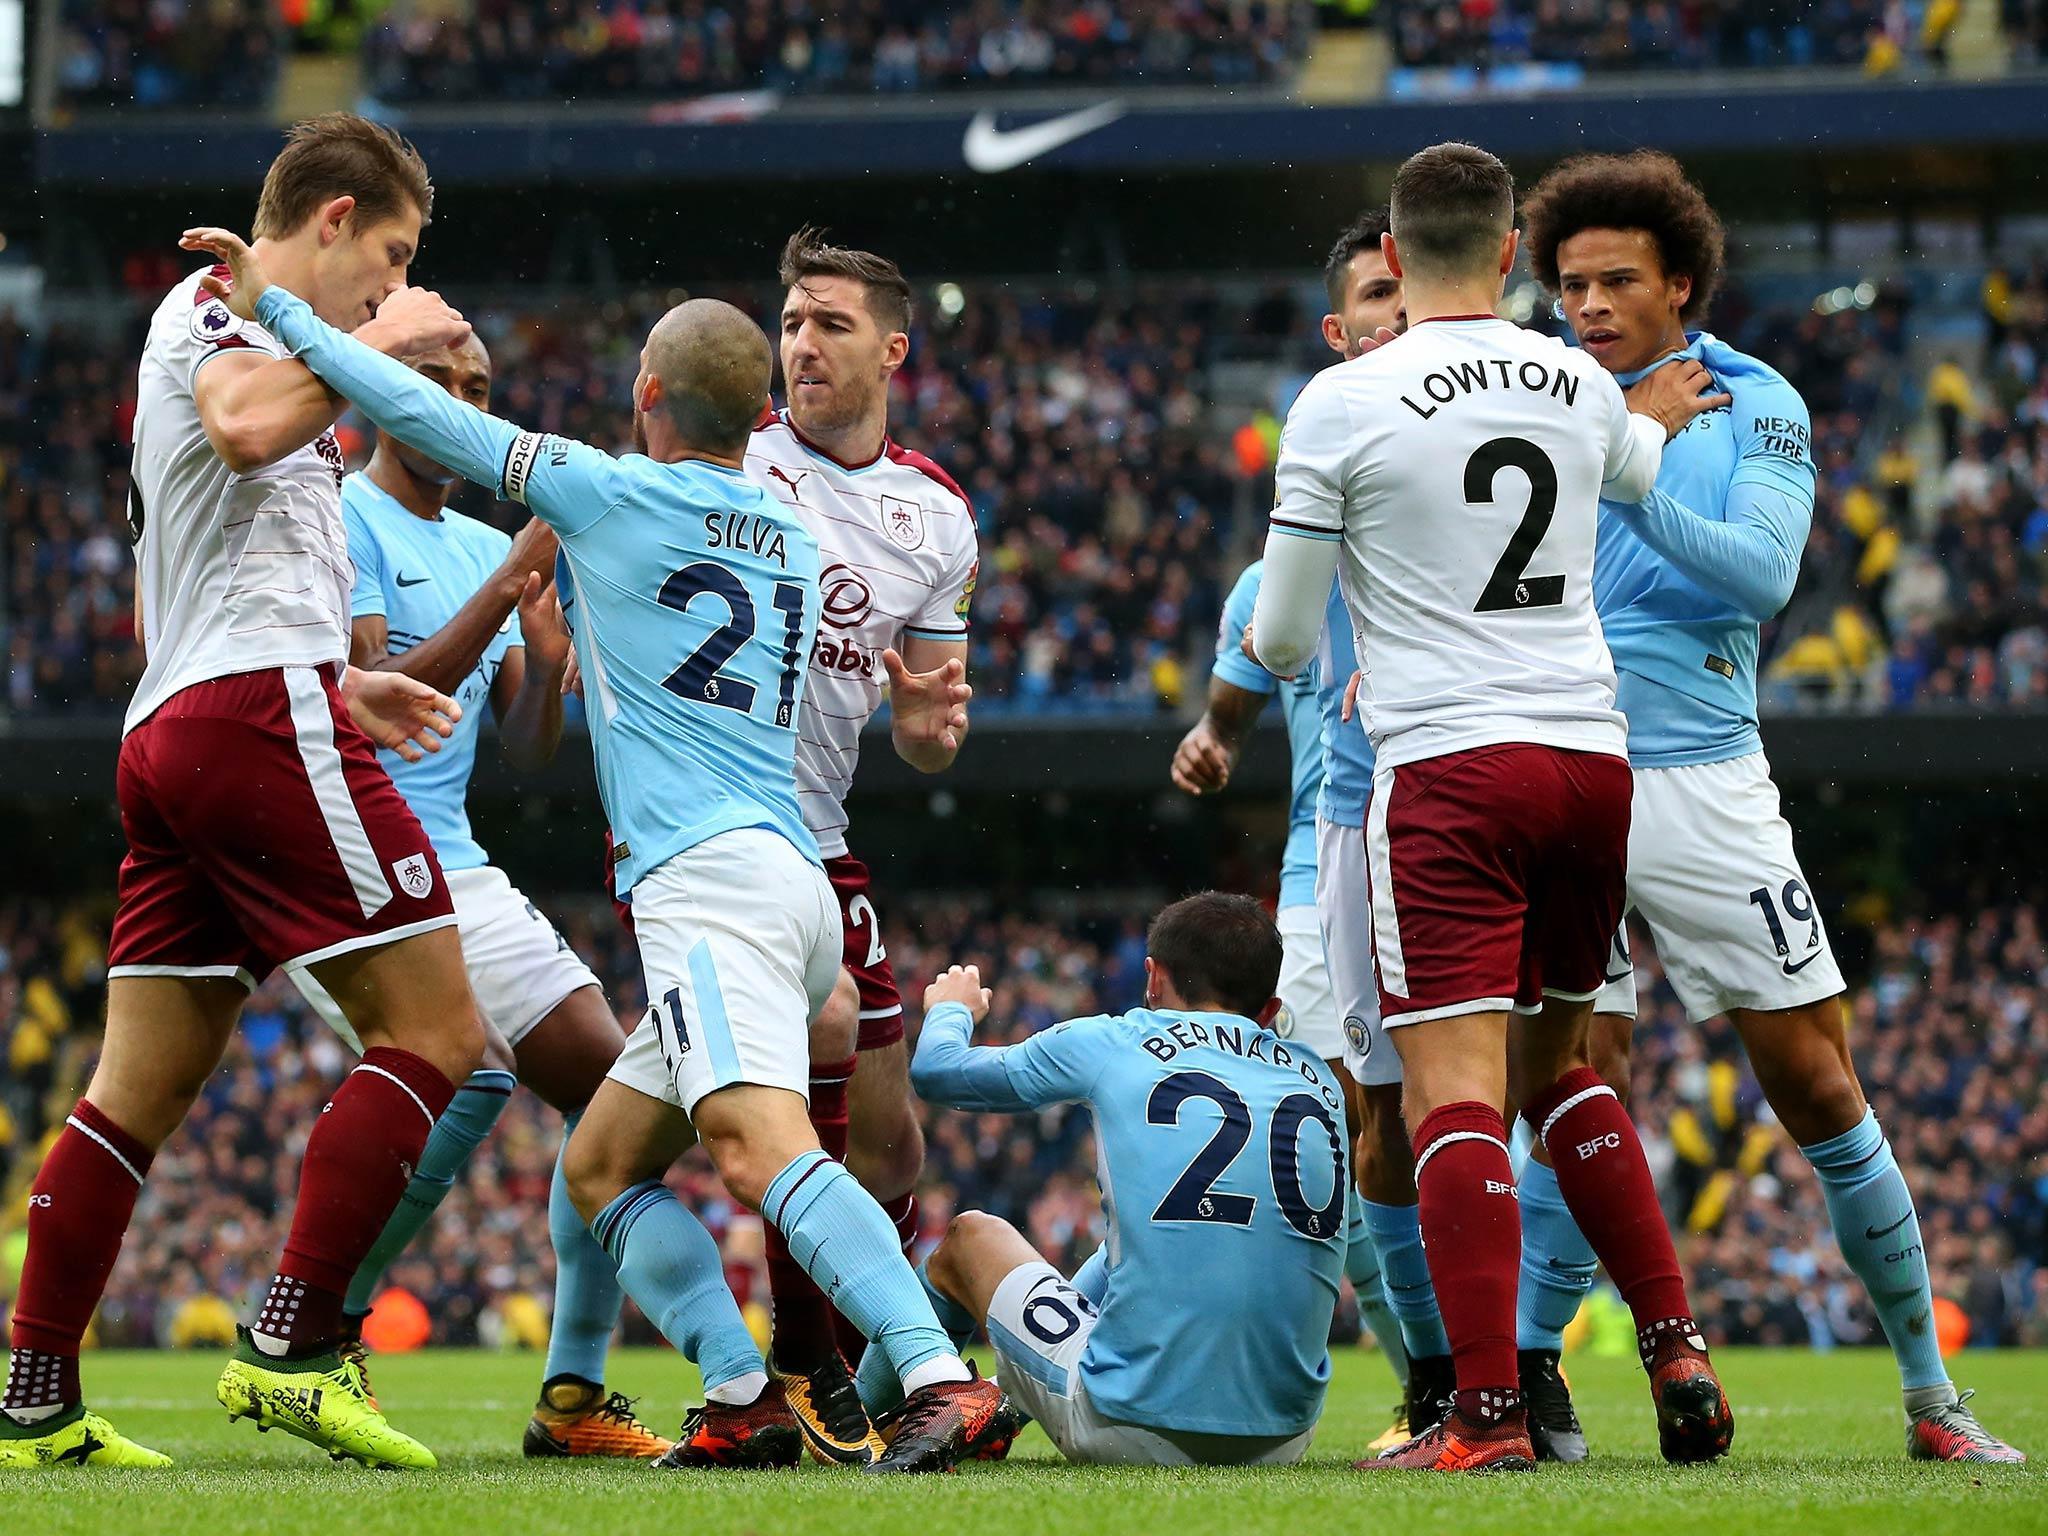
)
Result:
{"points": [[399, 712], [1676, 393], [246, 279], [542, 627], [960, 984], [1203, 760], [415, 320], [927, 709]]}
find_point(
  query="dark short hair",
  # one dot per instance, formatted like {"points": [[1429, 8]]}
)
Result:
{"points": [[1646, 190], [808, 254], [1452, 206], [1218, 948], [1361, 234], [339, 154]]}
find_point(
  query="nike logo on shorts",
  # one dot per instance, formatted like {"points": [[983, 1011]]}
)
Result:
{"points": [[1793, 970]]}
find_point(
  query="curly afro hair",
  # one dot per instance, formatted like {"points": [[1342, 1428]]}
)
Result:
{"points": [[1645, 190]]}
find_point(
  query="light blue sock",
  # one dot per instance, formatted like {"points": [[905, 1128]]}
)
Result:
{"points": [[669, 1264], [1396, 1232], [587, 1292], [1557, 1262], [1879, 1234], [1362, 1269], [851, 1251], [456, 1135], [880, 1389]]}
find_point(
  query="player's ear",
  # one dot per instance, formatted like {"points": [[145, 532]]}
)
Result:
{"points": [[1333, 334], [895, 350], [333, 216], [1154, 977], [1509, 249], [1681, 290], [1265, 1016], [1391, 253]]}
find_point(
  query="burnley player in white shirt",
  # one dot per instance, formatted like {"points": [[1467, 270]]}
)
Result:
{"points": [[898, 554], [1457, 471], [261, 829]]}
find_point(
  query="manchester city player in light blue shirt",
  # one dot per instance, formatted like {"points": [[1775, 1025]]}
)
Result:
{"points": [[1199, 1334], [694, 598], [1682, 582], [455, 603]]}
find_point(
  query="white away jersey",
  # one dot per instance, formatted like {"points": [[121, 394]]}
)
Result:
{"points": [[897, 549], [1462, 467], [236, 572]]}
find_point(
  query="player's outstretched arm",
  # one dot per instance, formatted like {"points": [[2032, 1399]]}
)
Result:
{"points": [[1057, 1066], [1238, 690], [257, 409], [450, 653]]}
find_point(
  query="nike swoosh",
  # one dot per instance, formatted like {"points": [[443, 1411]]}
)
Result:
{"points": [[1874, 1233], [1624, 976], [414, 582], [989, 149], [1794, 970]]}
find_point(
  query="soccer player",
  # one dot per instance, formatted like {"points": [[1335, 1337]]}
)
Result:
{"points": [[261, 829], [1199, 1333], [1633, 252], [456, 604], [896, 540], [694, 602], [1366, 311], [1364, 298], [1457, 471]]}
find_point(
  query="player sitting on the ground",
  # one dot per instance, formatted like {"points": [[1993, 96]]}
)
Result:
{"points": [[1684, 578], [455, 603], [1199, 1333], [695, 601], [1497, 833], [260, 827]]}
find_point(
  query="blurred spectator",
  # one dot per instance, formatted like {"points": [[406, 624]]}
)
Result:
{"points": [[167, 53]]}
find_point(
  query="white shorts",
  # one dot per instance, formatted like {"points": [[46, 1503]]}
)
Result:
{"points": [[1712, 873], [1039, 1326], [1308, 1009], [740, 941], [519, 967], [1344, 904]]}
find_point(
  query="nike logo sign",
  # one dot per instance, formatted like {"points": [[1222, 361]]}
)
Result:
{"points": [[989, 149], [1794, 970], [414, 582], [1874, 1233]]}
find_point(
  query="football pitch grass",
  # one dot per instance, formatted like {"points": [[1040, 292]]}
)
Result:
{"points": [[1819, 1448]]}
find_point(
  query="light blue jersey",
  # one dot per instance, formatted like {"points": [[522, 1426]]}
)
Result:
{"points": [[1347, 750], [694, 600], [1683, 579], [415, 573], [1304, 734], [1224, 1171]]}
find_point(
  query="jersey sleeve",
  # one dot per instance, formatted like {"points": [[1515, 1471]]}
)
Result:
{"points": [[1773, 438], [366, 600], [213, 331], [569, 485], [1314, 462], [1232, 665], [944, 613], [1057, 1066], [1635, 444]]}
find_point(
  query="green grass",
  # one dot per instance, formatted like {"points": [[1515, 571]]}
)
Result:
{"points": [[1818, 1448]]}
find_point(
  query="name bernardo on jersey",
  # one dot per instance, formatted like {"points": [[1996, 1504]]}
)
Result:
{"points": [[1190, 1035]]}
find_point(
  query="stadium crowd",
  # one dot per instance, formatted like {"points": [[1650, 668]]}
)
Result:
{"points": [[1661, 36], [182, 53], [1113, 506], [1951, 1032]]}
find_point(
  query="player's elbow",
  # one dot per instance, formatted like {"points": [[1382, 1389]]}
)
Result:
{"points": [[244, 441], [1765, 598], [1283, 655]]}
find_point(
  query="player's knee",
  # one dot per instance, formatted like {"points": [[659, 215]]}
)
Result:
{"points": [[836, 1030], [746, 1167], [966, 1231], [1609, 1048], [886, 1153], [592, 1172], [497, 1055]]}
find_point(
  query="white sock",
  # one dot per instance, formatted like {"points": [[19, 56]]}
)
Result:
{"points": [[269, 1344], [27, 1416], [935, 1370], [739, 1391]]}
